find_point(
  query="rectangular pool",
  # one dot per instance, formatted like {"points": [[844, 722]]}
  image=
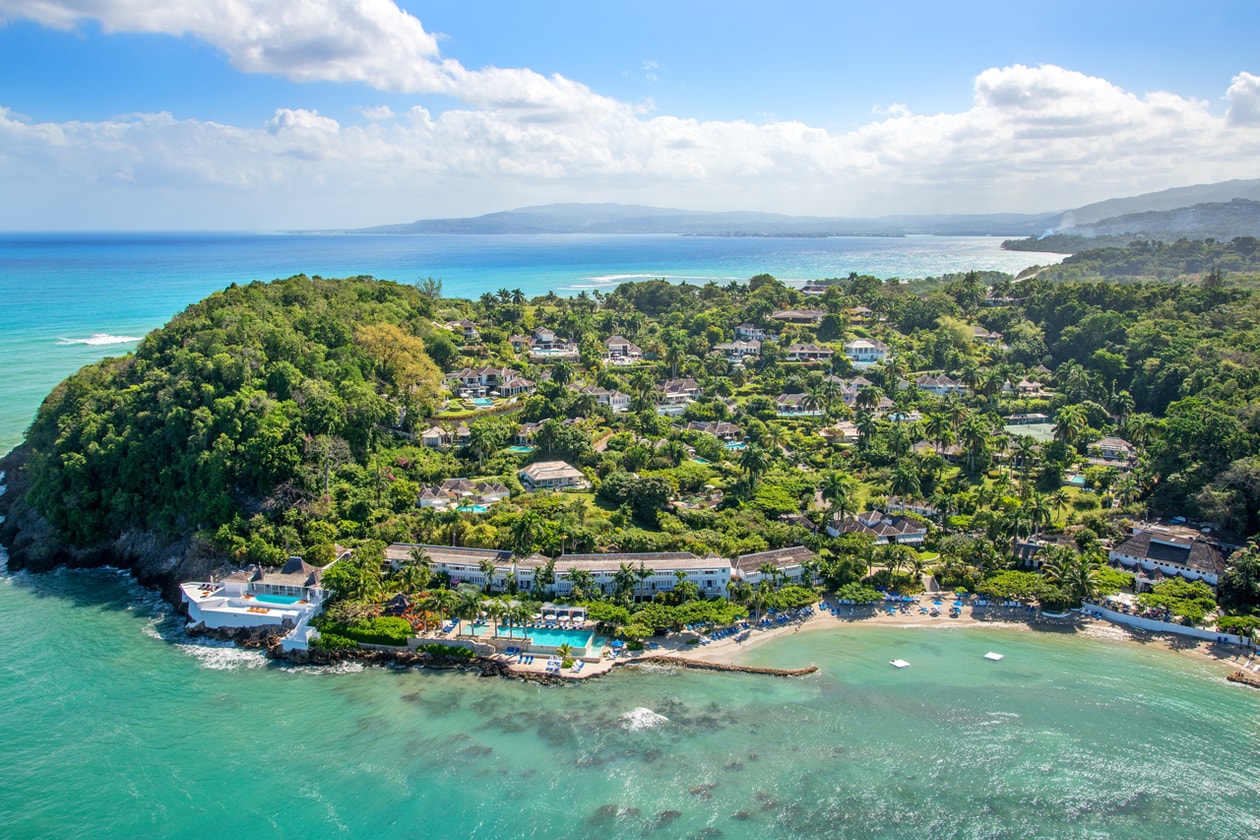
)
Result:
{"points": [[543, 637], [277, 599]]}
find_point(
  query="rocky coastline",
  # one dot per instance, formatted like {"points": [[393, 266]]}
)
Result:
{"points": [[158, 561]]}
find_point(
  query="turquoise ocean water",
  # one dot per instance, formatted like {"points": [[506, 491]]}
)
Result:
{"points": [[114, 724]]}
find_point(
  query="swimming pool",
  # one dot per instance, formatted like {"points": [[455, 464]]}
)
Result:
{"points": [[472, 509], [1076, 480], [520, 448], [482, 402], [278, 599], [736, 444], [541, 636]]}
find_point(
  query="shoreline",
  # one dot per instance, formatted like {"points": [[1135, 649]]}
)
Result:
{"points": [[683, 650], [1227, 657]]}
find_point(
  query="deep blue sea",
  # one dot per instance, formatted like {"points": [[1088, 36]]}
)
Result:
{"points": [[113, 723], [70, 299]]}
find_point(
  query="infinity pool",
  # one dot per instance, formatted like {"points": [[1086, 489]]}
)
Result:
{"points": [[278, 599]]}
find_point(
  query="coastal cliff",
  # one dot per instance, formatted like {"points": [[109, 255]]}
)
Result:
{"points": [[156, 560]]}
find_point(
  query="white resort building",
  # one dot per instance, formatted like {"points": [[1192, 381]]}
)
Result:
{"points": [[256, 597]]}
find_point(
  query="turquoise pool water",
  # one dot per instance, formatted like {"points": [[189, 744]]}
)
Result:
{"points": [[520, 448], [736, 444], [277, 599], [1077, 481], [555, 638], [482, 402], [542, 636]]}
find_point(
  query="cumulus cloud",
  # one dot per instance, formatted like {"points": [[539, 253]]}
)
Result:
{"points": [[376, 112], [372, 42], [1033, 139], [1244, 100]]}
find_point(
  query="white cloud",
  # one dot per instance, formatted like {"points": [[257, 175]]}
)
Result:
{"points": [[1033, 139], [376, 112], [1244, 100], [372, 42]]}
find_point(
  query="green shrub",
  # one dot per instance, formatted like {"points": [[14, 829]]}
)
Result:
{"points": [[382, 630], [332, 641]]}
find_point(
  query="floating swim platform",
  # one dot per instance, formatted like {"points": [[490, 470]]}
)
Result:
{"points": [[996, 657], [899, 663]]}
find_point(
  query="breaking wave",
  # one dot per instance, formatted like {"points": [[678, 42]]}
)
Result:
{"points": [[100, 340], [641, 719]]}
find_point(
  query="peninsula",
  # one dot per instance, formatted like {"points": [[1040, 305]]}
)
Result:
{"points": [[563, 482]]}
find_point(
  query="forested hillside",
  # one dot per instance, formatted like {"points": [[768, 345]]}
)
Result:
{"points": [[288, 417]]}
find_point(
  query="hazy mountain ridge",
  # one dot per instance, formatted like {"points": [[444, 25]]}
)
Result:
{"points": [[1222, 221], [610, 218], [635, 219]]}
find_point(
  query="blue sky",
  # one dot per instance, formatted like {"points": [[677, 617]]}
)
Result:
{"points": [[331, 113]]}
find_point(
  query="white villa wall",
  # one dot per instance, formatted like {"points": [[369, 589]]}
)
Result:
{"points": [[1161, 626], [1169, 569]]}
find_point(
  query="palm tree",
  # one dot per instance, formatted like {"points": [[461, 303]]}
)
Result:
{"points": [[486, 566], [866, 425], [642, 573], [562, 373], [517, 614], [1070, 424], [518, 297], [754, 462], [444, 602], [1059, 498], [468, 605], [412, 578], [837, 490], [1025, 452], [905, 481], [1073, 572], [939, 430], [770, 572], [495, 610], [1038, 507]]}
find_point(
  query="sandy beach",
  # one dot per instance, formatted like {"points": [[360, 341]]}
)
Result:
{"points": [[731, 650]]}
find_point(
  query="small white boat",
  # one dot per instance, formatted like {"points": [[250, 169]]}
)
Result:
{"points": [[899, 663], [994, 656]]}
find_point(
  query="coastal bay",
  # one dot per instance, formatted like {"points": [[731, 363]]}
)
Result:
{"points": [[1067, 737], [949, 747]]}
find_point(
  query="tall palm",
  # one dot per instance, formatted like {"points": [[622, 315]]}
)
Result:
{"points": [[1070, 424], [1025, 451], [495, 610], [754, 462], [939, 430], [411, 578], [486, 566], [642, 574], [1038, 507], [468, 606], [444, 602], [837, 491], [866, 425], [905, 481]]}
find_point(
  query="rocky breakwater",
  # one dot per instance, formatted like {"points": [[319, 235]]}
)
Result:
{"points": [[483, 666], [159, 561]]}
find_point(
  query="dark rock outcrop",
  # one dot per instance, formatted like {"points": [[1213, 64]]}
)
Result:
{"points": [[159, 561]]}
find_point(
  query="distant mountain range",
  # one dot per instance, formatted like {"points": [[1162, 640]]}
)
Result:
{"points": [[637, 219], [629, 218]]}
